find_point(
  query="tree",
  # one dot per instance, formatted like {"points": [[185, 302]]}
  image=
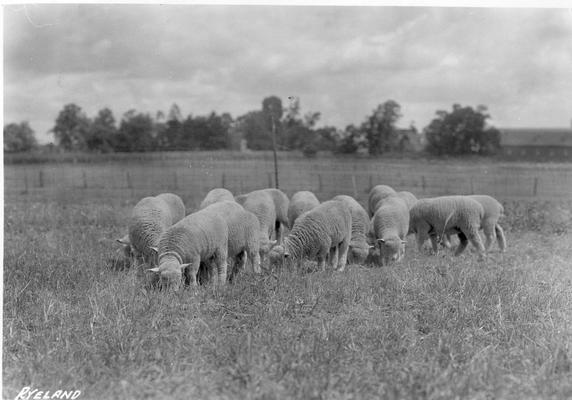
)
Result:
{"points": [[252, 127], [19, 137], [462, 131], [170, 137], [351, 140], [135, 132], [102, 132], [379, 128], [71, 128]]}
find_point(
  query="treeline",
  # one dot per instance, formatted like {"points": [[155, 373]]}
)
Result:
{"points": [[461, 131]]}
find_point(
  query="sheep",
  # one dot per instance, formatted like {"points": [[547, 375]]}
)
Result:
{"points": [[359, 247], [390, 225], [408, 197], [438, 216], [322, 231], [261, 204], [300, 203], [376, 195], [280, 201], [243, 234], [216, 195], [199, 237], [150, 217], [489, 224]]}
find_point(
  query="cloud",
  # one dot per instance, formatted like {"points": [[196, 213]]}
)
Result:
{"points": [[341, 61]]}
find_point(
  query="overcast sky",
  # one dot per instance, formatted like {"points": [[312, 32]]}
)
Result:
{"points": [[340, 61]]}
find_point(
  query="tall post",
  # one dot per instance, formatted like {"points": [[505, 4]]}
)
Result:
{"points": [[274, 151]]}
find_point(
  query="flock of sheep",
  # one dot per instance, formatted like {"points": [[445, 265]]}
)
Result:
{"points": [[230, 233]]}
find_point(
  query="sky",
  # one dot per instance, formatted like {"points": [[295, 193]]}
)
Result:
{"points": [[341, 61]]}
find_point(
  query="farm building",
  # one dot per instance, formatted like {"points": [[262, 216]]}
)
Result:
{"points": [[539, 144]]}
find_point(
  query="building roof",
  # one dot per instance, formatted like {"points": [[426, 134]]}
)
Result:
{"points": [[536, 137]]}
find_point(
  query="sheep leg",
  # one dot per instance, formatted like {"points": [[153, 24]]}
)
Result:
{"points": [[334, 254], [192, 272], [501, 239], [343, 259], [489, 231], [255, 261]]}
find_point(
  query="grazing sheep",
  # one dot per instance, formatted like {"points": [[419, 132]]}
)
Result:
{"points": [[199, 237], [150, 217], [390, 225], [322, 231], [438, 216], [280, 201], [216, 195], [243, 234], [489, 224], [359, 247], [376, 196], [408, 197], [300, 203], [261, 204]]}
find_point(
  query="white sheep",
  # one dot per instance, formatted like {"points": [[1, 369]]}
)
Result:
{"points": [[199, 237], [216, 195], [280, 201], [489, 224], [408, 197], [433, 218], [322, 231], [243, 235], [261, 204], [359, 246], [150, 217], [301, 202], [390, 225], [376, 196]]}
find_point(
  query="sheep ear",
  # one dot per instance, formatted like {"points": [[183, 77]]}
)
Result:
{"points": [[154, 249], [183, 266], [381, 240], [155, 270], [123, 240]]}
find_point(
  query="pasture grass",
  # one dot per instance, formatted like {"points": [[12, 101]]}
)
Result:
{"points": [[431, 327]]}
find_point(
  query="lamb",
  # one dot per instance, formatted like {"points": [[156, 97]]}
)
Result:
{"points": [[390, 225], [280, 201], [376, 196], [261, 204], [408, 197], [150, 217], [300, 203], [243, 234], [438, 216], [489, 224], [325, 229], [359, 247], [216, 195], [199, 237]]}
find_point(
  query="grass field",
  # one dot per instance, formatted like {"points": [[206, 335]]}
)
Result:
{"points": [[434, 327]]}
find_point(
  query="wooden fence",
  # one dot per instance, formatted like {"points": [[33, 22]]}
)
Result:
{"points": [[326, 177]]}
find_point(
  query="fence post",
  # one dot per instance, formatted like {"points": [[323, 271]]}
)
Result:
{"points": [[269, 179], [535, 187], [354, 185], [26, 184], [41, 178], [472, 186], [223, 183], [128, 179], [423, 184], [84, 177]]}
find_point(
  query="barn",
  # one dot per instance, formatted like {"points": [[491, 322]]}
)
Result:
{"points": [[537, 144]]}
